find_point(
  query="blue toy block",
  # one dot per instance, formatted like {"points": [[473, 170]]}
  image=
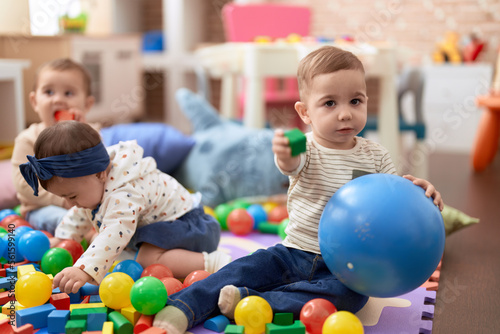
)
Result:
{"points": [[95, 321], [217, 324], [56, 321], [11, 271], [89, 290], [44, 330], [37, 316], [8, 283], [95, 299], [75, 298]]}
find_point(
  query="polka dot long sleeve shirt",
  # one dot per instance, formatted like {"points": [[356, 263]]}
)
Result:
{"points": [[136, 194]]}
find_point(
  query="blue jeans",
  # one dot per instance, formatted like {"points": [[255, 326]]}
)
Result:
{"points": [[46, 218], [287, 278]]}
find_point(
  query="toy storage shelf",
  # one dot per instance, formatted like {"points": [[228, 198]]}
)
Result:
{"points": [[184, 28], [450, 110]]}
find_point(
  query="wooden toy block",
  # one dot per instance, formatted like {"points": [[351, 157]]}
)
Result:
{"points": [[12, 307], [217, 324], [154, 330], [24, 269], [60, 301], [82, 313], [11, 271], [120, 324], [75, 326], [75, 298], [89, 332], [234, 329], [88, 305], [5, 326], [85, 300], [107, 328], [3, 316], [95, 299], [8, 283], [144, 322], [131, 314], [37, 316], [25, 329], [56, 321], [89, 289], [95, 321], [283, 319], [6, 297], [297, 141], [2, 272], [296, 328]]}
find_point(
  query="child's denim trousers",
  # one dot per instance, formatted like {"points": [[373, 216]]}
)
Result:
{"points": [[287, 278]]}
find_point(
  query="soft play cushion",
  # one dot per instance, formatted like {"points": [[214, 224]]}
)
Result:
{"points": [[228, 160], [166, 144]]}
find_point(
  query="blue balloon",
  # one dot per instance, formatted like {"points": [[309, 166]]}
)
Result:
{"points": [[381, 236], [33, 244], [129, 267]]}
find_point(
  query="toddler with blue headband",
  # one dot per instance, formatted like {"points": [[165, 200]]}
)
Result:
{"points": [[126, 199]]}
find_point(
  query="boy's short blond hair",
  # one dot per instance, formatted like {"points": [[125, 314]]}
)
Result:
{"points": [[65, 64], [327, 59]]}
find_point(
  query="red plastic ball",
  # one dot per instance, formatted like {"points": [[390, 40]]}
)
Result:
{"points": [[314, 314], [157, 270], [195, 276], [13, 222], [240, 222], [172, 285], [73, 247], [278, 214]]}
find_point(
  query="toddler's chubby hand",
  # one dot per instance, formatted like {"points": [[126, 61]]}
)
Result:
{"points": [[71, 279], [430, 190], [79, 115], [281, 145], [281, 148]]}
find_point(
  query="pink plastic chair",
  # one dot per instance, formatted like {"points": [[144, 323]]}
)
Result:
{"points": [[242, 23]]}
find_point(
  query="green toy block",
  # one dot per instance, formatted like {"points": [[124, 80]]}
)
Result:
{"points": [[82, 313], [297, 141], [234, 329], [76, 326], [297, 328], [120, 324], [283, 319]]}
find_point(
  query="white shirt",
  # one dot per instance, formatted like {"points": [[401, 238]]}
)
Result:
{"points": [[321, 172], [136, 194]]}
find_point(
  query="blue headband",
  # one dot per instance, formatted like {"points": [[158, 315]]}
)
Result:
{"points": [[87, 162]]}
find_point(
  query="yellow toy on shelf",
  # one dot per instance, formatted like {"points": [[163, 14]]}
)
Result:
{"points": [[448, 50]]}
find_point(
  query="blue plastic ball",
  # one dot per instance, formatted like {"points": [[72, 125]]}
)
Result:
{"points": [[258, 213], [33, 244], [129, 267], [6, 212], [381, 236]]}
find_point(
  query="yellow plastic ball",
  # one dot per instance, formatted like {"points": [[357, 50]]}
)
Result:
{"points": [[33, 289], [209, 211], [254, 313], [268, 206], [342, 322], [115, 290]]}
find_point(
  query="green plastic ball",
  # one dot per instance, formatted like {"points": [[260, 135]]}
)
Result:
{"points": [[148, 295], [221, 212], [56, 259]]}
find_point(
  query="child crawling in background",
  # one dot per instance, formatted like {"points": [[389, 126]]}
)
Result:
{"points": [[126, 199], [288, 275]]}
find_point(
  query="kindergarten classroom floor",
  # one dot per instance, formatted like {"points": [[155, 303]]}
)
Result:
{"points": [[468, 298]]}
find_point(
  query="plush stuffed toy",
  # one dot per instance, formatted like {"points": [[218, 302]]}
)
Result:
{"points": [[229, 160]]}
